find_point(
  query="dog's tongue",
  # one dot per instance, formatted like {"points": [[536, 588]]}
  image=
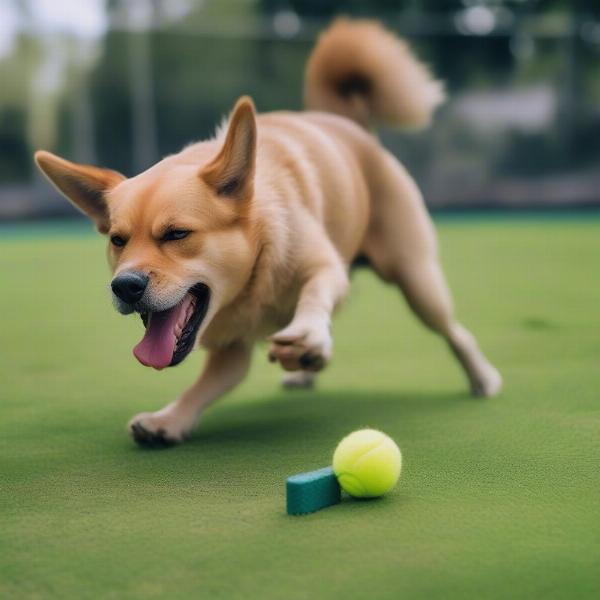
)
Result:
{"points": [[158, 344]]}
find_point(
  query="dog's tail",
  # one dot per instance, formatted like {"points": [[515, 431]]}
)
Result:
{"points": [[362, 71]]}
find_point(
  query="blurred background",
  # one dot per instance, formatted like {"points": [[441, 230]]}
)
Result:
{"points": [[121, 83]]}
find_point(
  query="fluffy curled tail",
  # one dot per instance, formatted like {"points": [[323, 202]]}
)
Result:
{"points": [[362, 71]]}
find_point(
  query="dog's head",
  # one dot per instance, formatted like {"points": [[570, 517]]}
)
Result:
{"points": [[180, 243]]}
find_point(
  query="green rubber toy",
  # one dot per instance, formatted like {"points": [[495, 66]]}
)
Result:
{"points": [[309, 492]]}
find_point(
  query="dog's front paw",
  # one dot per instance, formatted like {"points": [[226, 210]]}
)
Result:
{"points": [[160, 429], [305, 347]]}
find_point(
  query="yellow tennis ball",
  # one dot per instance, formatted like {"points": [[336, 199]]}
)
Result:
{"points": [[367, 463]]}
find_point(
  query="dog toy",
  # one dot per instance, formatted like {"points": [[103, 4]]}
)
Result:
{"points": [[367, 463], [309, 492]]}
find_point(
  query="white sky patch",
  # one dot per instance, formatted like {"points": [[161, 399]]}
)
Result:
{"points": [[9, 27], [84, 18]]}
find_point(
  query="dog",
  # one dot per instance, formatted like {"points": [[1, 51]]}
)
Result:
{"points": [[251, 234]]}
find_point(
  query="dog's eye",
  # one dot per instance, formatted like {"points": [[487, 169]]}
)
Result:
{"points": [[117, 241], [175, 234]]}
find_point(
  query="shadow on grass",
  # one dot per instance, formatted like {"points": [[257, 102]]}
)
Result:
{"points": [[291, 416]]}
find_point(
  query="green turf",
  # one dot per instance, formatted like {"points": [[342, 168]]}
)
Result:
{"points": [[498, 498]]}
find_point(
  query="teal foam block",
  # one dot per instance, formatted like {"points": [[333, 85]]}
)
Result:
{"points": [[309, 492]]}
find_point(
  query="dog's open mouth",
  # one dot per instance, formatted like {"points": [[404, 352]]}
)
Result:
{"points": [[171, 334]]}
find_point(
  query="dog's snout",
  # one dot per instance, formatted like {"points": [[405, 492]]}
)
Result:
{"points": [[130, 286]]}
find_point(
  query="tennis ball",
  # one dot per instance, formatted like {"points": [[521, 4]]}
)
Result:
{"points": [[367, 463]]}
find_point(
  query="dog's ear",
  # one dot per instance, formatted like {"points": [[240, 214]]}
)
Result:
{"points": [[231, 173], [83, 185]]}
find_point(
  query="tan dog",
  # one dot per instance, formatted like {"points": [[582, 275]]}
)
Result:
{"points": [[252, 233]]}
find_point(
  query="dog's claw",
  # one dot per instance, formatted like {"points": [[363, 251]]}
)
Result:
{"points": [[312, 362]]}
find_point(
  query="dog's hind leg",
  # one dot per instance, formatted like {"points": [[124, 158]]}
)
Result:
{"points": [[401, 246], [223, 370], [427, 294]]}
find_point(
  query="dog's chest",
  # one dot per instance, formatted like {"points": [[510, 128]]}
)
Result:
{"points": [[247, 322]]}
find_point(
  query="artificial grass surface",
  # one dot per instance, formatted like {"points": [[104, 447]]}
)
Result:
{"points": [[498, 498]]}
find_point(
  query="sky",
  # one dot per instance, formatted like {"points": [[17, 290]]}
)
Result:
{"points": [[84, 18]]}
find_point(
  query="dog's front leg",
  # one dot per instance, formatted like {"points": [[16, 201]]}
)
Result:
{"points": [[306, 343], [223, 370]]}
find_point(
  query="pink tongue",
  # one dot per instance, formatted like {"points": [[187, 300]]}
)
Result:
{"points": [[158, 344]]}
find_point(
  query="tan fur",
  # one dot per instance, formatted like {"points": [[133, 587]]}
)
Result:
{"points": [[393, 88], [278, 208]]}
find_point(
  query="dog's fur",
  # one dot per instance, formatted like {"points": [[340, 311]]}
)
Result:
{"points": [[278, 206]]}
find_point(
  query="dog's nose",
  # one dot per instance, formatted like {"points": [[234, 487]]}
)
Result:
{"points": [[130, 286]]}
